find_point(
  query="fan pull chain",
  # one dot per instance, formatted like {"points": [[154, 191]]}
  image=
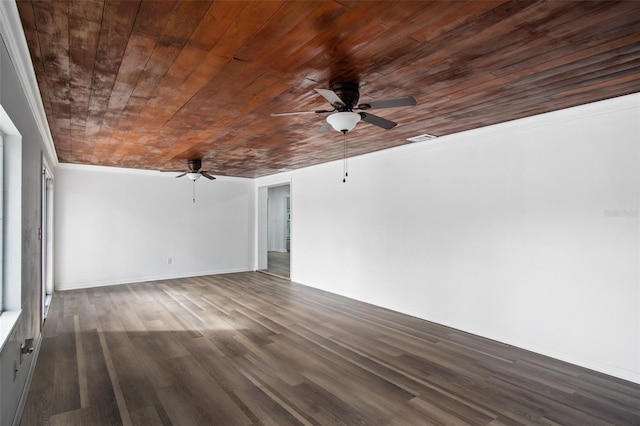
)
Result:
{"points": [[194, 191], [346, 155]]}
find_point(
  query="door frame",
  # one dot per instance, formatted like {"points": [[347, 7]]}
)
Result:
{"points": [[262, 223], [46, 238]]}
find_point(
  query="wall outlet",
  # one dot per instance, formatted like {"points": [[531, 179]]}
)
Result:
{"points": [[169, 260]]}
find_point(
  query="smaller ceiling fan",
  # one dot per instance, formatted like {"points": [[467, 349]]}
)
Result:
{"points": [[194, 174], [194, 171], [344, 97]]}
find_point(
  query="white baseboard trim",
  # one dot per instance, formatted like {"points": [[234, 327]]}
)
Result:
{"points": [[62, 287], [541, 350], [620, 373], [27, 383]]}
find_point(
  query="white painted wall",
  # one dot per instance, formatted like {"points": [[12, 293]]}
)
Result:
{"points": [[117, 226], [525, 232], [277, 218]]}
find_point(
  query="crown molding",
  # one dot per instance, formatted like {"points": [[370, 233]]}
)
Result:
{"points": [[127, 171], [16, 43]]}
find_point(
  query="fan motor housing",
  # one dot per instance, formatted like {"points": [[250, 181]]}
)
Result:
{"points": [[349, 93], [195, 165]]}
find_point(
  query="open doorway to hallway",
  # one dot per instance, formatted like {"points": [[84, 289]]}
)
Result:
{"points": [[46, 239], [276, 247]]}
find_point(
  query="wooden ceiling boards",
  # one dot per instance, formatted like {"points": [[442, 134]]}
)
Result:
{"points": [[150, 84]]}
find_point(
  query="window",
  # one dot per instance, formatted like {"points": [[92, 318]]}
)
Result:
{"points": [[11, 229]]}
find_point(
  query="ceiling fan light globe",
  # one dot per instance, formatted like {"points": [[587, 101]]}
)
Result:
{"points": [[193, 176], [343, 121]]}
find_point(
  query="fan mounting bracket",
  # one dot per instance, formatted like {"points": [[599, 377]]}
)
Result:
{"points": [[195, 165]]}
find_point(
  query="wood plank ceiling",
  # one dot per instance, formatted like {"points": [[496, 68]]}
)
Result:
{"points": [[150, 84]]}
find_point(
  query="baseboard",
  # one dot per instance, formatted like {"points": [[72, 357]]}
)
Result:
{"points": [[27, 383], [62, 287], [264, 271], [613, 371], [541, 350], [589, 364]]}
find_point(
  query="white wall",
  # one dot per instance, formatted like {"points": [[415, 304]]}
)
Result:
{"points": [[117, 226], [525, 232]]}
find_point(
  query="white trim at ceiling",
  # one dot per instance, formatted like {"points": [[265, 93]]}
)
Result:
{"points": [[123, 170], [13, 36]]}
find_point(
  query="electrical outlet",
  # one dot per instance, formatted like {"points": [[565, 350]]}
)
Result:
{"points": [[169, 260], [26, 348]]}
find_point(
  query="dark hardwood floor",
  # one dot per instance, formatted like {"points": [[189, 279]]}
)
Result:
{"points": [[253, 349]]}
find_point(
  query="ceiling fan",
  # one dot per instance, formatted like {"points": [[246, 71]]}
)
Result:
{"points": [[344, 97], [194, 171], [194, 174]]}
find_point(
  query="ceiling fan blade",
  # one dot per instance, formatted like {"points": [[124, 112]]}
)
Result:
{"points": [[180, 175], [389, 103], [378, 121], [330, 96], [325, 128], [320, 111], [207, 175]]}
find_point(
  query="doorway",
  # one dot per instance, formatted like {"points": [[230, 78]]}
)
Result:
{"points": [[46, 239], [274, 245]]}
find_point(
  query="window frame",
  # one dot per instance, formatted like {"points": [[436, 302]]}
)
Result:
{"points": [[11, 283]]}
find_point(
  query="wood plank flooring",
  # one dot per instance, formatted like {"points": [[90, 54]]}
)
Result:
{"points": [[278, 263], [253, 349]]}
